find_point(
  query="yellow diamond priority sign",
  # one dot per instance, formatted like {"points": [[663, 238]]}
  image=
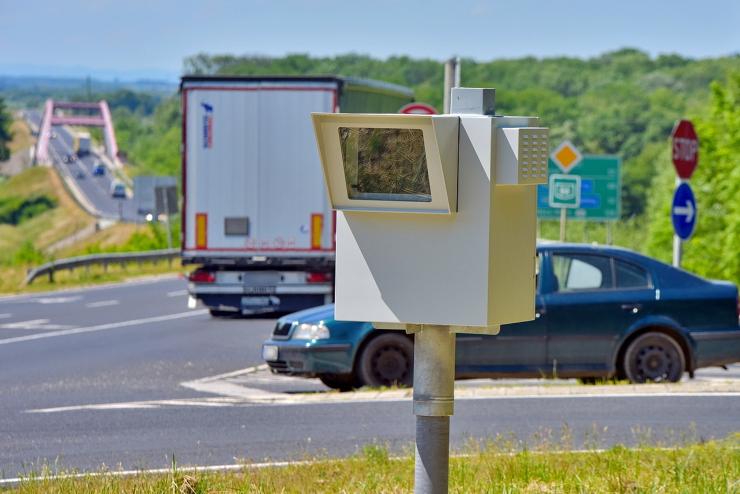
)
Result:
{"points": [[566, 156]]}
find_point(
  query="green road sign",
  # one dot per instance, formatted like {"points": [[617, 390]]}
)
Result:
{"points": [[564, 191], [600, 194]]}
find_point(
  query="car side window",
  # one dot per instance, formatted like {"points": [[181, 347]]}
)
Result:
{"points": [[630, 276], [582, 272]]}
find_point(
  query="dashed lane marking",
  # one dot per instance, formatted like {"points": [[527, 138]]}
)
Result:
{"points": [[5, 316], [57, 300], [177, 293], [104, 327], [102, 303], [36, 324]]}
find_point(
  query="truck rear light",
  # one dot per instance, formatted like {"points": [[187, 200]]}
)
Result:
{"points": [[202, 276], [317, 227], [318, 277], [201, 231]]}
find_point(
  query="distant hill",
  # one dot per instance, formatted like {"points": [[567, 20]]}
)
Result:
{"points": [[32, 91]]}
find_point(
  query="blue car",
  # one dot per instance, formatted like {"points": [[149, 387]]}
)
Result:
{"points": [[600, 312]]}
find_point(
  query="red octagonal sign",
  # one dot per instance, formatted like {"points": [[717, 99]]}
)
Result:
{"points": [[685, 148]]}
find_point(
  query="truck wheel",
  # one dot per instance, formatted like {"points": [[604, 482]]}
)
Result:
{"points": [[654, 357], [342, 382], [387, 360]]}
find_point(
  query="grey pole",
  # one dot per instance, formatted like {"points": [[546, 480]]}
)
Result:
{"points": [[434, 397]]}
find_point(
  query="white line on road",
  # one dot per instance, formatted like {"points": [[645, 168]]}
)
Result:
{"points": [[57, 300], [104, 327], [34, 324], [156, 471], [102, 303], [143, 280], [5, 316], [177, 293]]}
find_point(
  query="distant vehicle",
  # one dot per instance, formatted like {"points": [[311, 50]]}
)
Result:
{"points": [[601, 312], [256, 218], [81, 143], [117, 190], [69, 158], [98, 170]]}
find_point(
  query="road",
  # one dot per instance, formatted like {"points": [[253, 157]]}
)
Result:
{"points": [[127, 375], [95, 188]]}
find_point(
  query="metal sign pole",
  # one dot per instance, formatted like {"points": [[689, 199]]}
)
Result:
{"points": [[563, 219], [434, 399], [166, 215], [677, 242]]}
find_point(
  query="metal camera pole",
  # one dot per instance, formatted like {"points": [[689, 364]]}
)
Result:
{"points": [[434, 399]]}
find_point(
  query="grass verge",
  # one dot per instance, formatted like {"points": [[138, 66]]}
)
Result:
{"points": [[711, 467], [13, 276]]}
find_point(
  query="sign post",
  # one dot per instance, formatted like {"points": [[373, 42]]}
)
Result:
{"points": [[565, 192], [685, 156]]}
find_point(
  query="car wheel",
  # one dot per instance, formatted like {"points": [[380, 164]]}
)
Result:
{"points": [[387, 360], [654, 357], [342, 382], [221, 313]]}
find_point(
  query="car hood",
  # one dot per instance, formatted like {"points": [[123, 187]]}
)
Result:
{"points": [[323, 313]]}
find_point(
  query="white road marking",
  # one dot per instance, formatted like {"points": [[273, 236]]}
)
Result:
{"points": [[41, 324], [57, 300], [232, 390], [105, 327], [282, 399], [177, 293], [143, 280], [159, 471], [102, 303], [5, 316]]}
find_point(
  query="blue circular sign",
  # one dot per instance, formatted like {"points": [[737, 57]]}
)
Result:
{"points": [[683, 211]]}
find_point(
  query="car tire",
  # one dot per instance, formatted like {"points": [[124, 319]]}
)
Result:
{"points": [[221, 313], [341, 382], [654, 357], [387, 360]]}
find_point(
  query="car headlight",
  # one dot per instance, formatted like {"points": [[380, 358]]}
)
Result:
{"points": [[311, 332]]}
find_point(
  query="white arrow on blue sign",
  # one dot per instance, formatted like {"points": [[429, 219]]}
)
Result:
{"points": [[683, 211]]}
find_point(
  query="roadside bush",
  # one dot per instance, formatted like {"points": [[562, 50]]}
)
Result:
{"points": [[16, 210]]}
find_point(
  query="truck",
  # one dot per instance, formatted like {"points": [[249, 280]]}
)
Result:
{"points": [[81, 143], [257, 227]]}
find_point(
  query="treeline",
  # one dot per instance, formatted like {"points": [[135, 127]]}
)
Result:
{"points": [[623, 102], [616, 103]]}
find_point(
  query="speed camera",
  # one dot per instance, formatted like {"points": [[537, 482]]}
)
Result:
{"points": [[436, 214]]}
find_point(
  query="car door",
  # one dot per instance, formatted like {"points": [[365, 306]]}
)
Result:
{"points": [[593, 300], [518, 350]]}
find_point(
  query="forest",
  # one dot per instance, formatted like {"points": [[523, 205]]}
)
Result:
{"points": [[623, 102]]}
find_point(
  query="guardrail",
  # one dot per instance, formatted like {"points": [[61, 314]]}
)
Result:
{"points": [[104, 260]]}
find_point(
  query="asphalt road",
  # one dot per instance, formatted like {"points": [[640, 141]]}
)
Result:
{"points": [[120, 375], [95, 188]]}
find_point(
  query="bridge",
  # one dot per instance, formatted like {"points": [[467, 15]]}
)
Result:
{"points": [[97, 115]]}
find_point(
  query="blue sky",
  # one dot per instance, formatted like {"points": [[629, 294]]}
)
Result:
{"points": [[151, 38]]}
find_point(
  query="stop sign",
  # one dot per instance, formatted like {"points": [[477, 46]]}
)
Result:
{"points": [[685, 148]]}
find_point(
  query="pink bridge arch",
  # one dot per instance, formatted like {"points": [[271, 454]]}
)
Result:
{"points": [[103, 119]]}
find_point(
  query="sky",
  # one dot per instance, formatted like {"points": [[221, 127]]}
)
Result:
{"points": [[150, 38]]}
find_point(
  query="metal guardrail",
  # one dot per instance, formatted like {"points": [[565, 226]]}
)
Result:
{"points": [[121, 258]]}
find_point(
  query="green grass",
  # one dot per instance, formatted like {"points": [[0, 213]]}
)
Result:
{"points": [[12, 277], [496, 467]]}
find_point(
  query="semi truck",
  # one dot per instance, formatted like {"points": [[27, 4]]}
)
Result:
{"points": [[257, 228], [81, 143]]}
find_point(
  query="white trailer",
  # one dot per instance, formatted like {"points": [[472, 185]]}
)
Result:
{"points": [[256, 218]]}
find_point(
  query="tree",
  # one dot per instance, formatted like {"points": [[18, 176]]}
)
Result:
{"points": [[5, 133], [714, 249]]}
